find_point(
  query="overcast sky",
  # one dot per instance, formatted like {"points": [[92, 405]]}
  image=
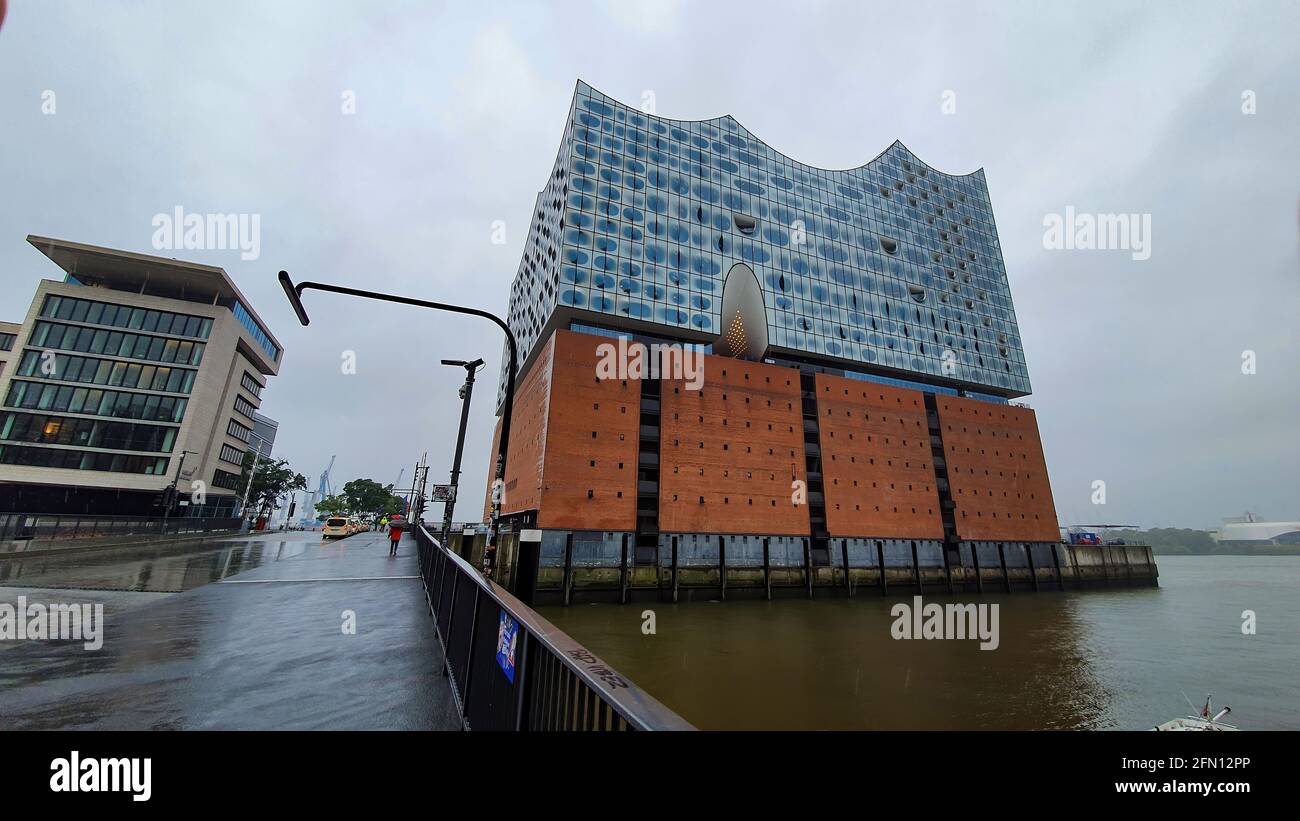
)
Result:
{"points": [[237, 107]]}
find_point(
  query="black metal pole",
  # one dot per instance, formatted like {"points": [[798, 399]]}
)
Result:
{"points": [[410, 497], [424, 476], [294, 293], [449, 507], [172, 494]]}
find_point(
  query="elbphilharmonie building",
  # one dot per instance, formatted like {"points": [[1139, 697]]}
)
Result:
{"points": [[861, 351]]}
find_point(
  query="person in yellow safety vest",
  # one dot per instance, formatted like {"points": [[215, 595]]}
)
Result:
{"points": [[383, 523]]}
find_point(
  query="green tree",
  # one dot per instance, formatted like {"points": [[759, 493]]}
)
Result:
{"points": [[393, 505], [271, 481], [331, 506], [1174, 540], [368, 496]]}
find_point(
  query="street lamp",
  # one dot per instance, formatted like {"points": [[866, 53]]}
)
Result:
{"points": [[248, 488], [466, 392], [294, 293]]}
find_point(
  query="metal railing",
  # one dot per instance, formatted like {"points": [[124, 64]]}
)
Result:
{"points": [[42, 527], [511, 669]]}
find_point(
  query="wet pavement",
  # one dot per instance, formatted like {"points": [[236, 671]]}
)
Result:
{"points": [[276, 631], [159, 567]]}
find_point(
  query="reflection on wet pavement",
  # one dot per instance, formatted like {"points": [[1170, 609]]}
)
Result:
{"points": [[154, 568], [330, 636]]}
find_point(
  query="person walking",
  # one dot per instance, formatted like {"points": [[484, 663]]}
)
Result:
{"points": [[383, 523], [394, 536]]}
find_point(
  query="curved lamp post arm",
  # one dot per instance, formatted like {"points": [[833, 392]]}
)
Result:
{"points": [[294, 293]]}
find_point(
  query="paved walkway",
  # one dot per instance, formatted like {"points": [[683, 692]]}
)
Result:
{"points": [[264, 649]]}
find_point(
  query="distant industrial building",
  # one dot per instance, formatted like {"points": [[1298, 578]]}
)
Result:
{"points": [[131, 373], [1248, 532]]}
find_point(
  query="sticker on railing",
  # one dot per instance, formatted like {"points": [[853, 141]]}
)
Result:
{"points": [[507, 637]]}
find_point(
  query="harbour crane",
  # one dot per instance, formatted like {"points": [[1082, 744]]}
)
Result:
{"points": [[325, 489], [322, 490]]}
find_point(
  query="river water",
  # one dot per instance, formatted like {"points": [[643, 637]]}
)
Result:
{"points": [[1102, 659]]}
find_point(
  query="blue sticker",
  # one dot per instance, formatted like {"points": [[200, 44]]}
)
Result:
{"points": [[507, 636]]}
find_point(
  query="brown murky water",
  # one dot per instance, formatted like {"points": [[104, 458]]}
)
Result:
{"points": [[1098, 660]]}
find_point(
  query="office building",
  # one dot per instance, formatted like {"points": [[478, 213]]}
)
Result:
{"points": [[263, 438], [130, 373], [8, 337]]}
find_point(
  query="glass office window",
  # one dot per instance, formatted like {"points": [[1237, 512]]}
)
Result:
{"points": [[82, 460], [95, 433], [259, 335], [134, 346], [225, 479], [88, 370], [122, 316]]}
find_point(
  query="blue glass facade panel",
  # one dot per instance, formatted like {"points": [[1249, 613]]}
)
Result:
{"points": [[890, 265], [260, 336]]}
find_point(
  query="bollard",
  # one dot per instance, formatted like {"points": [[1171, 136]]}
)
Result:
{"points": [[623, 574], [848, 572], [767, 568], [568, 569]]}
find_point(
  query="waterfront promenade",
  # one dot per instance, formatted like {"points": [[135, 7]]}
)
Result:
{"points": [[269, 648]]}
